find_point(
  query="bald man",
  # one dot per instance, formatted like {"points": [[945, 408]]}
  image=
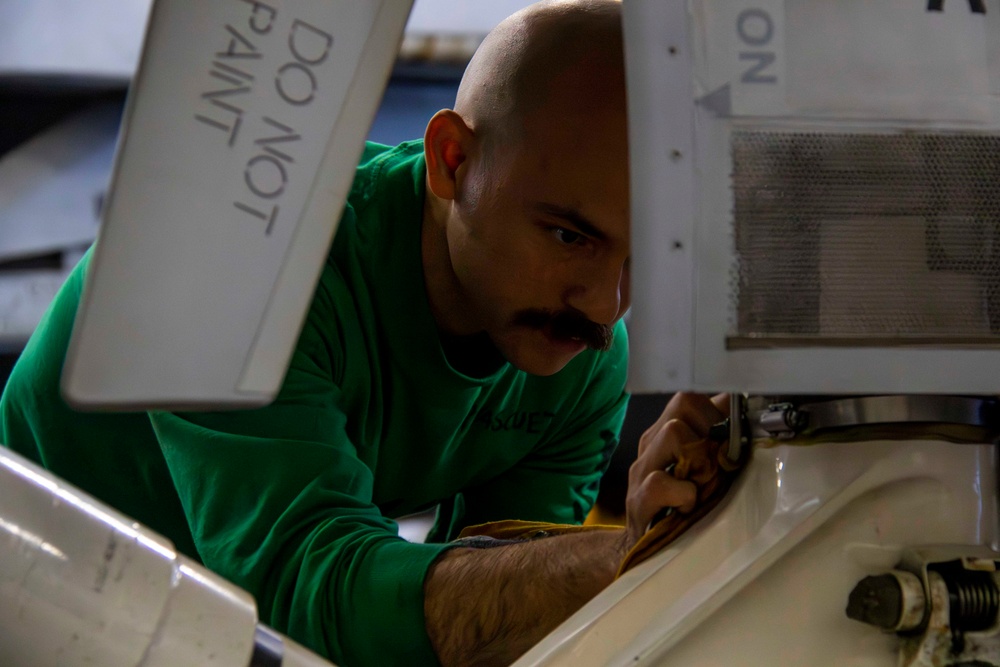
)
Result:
{"points": [[463, 350]]}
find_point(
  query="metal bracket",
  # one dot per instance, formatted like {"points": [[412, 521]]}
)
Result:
{"points": [[783, 421]]}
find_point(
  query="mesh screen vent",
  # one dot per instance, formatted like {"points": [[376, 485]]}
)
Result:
{"points": [[865, 239]]}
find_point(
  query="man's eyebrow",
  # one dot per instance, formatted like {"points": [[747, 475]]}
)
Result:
{"points": [[574, 217]]}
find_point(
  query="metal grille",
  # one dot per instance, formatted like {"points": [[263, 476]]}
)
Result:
{"points": [[865, 239]]}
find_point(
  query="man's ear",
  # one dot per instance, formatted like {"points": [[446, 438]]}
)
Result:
{"points": [[447, 142]]}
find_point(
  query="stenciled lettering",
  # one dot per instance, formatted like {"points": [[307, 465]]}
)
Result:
{"points": [[308, 44], [265, 175], [261, 9], [268, 217], [295, 83], [224, 114], [243, 57], [239, 46], [756, 28], [755, 74], [267, 143], [977, 6]]}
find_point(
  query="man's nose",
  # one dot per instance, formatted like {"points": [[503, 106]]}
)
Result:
{"points": [[602, 293]]}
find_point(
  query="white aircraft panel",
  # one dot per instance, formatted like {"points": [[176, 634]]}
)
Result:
{"points": [[239, 143], [813, 208]]}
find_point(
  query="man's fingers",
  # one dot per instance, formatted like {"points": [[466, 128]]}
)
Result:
{"points": [[660, 489], [696, 410], [664, 448], [677, 436], [721, 403], [699, 412]]}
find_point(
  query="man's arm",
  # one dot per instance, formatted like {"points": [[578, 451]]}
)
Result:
{"points": [[488, 606]]}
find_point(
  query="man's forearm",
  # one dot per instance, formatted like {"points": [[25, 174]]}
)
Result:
{"points": [[488, 606]]}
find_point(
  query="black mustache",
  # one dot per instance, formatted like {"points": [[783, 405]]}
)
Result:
{"points": [[569, 324]]}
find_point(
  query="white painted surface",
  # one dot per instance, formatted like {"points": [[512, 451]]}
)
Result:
{"points": [[81, 584], [662, 194], [765, 578], [227, 188], [771, 65]]}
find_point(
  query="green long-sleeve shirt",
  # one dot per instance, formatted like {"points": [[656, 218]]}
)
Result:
{"points": [[294, 501]]}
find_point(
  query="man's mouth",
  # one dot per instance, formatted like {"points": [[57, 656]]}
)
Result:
{"points": [[569, 327], [572, 344]]}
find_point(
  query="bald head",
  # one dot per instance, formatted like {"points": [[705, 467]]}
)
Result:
{"points": [[554, 57], [526, 216]]}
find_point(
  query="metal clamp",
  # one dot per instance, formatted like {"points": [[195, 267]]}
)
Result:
{"points": [[783, 421]]}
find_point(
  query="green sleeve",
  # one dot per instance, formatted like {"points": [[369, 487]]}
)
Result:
{"points": [[559, 480], [279, 502]]}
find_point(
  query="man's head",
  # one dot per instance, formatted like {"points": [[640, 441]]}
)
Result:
{"points": [[526, 222]]}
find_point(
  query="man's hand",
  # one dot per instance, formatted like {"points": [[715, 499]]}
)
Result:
{"points": [[488, 606], [678, 434]]}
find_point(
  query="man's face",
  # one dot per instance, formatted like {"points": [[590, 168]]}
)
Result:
{"points": [[539, 239]]}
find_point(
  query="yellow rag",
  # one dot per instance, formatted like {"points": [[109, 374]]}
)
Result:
{"points": [[513, 529], [713, 475]]}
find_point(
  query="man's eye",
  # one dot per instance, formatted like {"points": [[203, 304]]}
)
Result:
{"points": [[567, 236]]}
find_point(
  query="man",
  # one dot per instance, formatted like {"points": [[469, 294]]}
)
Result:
{"points": [[444, 362]]}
